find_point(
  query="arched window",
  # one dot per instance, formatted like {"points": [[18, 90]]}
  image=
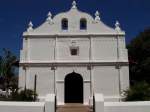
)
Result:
{"points": [[83, 24], [64, 24]]}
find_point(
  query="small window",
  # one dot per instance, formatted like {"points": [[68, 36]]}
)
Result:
{"points": [[64, 24], [74, 51], [83, 24]]}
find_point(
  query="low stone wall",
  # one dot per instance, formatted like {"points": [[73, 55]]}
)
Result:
{"points": [[47, 106], [101, 106], [22, 106], [127, 106]]}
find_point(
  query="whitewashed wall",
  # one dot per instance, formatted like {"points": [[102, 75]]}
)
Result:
{"points": [[63, 48], [22, 78], [104, 48], [103, 51], [127, 106], [45, 79], [40, 49], [106, 81], [110, 81], [48, 105], [62, 72], [101, 106], [124, 78], [74, 21], [22, 106]]}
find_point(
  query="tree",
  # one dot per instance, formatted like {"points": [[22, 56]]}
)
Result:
{"points": [[139, 57], [9, 80], [8, 65], [138, 92]]}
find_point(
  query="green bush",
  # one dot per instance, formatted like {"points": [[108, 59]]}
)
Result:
{"points": [[24, 95], [138, 92]]}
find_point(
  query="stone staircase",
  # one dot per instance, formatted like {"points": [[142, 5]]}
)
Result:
{"points": [[74, 107]]}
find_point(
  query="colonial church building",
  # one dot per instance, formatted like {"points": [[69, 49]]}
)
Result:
{"points": [[74, 56]]}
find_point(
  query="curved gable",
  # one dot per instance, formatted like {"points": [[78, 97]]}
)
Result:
{"points": [[53, 26]]}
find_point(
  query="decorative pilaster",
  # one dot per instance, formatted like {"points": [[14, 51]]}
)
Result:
{"points": [[120, 43], [25, 48], [53, 67], [55, 49], [118, 57], [25, 68], [118, 67]]}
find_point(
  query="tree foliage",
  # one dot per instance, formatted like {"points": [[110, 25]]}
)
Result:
{"points": [[139, 64], [139, 57], [8, 65], [24, 95], [138, 92], [9, 79]]}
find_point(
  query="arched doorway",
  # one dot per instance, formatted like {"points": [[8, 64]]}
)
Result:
{"points": [[73, 88]]}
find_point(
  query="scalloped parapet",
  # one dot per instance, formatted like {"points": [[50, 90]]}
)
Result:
{"points": [[53, 26]]}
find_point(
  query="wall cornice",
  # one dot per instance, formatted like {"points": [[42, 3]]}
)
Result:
{"points": [[70, 35], [104, 63]]}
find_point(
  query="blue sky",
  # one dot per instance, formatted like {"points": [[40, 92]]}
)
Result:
{"points": [[133, 15]]}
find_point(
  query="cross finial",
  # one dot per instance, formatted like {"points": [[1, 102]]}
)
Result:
{"points": [[117, 26], [49, 17], [97, 16], [74, 5], [30, 26]]}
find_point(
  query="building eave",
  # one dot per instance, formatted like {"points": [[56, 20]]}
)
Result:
{"points": [[70, 63], [73, 34]]}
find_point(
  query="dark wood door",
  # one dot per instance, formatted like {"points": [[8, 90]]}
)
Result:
{"points": [[73, 88]]}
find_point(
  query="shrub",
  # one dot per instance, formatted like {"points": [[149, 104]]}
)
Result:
{"points": [[138, 92], [24, 95]]}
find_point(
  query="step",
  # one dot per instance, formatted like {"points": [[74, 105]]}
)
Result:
{"points": [[73, 107]]}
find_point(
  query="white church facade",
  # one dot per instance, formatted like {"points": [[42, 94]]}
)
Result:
{"points": [[74, 56]]}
